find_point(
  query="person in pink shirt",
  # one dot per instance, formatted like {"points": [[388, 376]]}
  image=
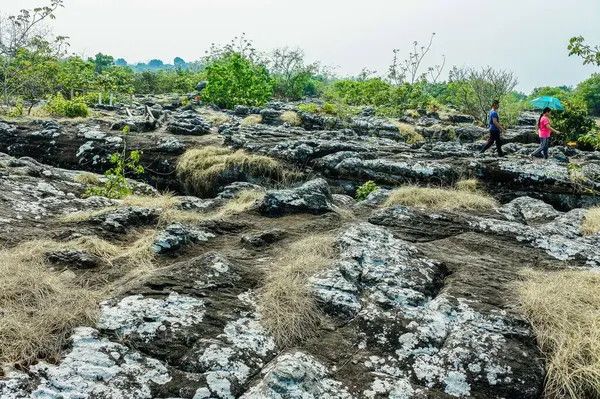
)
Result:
{"points": [[545, 129]]}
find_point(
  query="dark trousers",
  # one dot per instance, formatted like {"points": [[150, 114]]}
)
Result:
{"points": [[543, 148], [494, 137]]}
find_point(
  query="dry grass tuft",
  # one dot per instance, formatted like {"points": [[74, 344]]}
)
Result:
{"points": [[291, 118], [218, 119], [39, 309], [409, 132], [288, 307], [165, 201], [243, 201], [470, 185], [251, 120], [87, 178], [85, 216], [564, 309], [591, 222], [200, 169], [439, 198]]}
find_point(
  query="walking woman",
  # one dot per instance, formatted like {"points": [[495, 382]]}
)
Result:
{"points": [[545, 129]]}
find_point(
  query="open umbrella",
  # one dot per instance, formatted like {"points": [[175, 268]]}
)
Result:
{"points": [[546, 101]]}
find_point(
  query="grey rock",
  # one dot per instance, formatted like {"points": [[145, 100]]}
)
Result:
{"points": [[189, 123], [175, 236], [240, 110], [312, 197], [263, 239], [120, 220], [529, 210], [232, 190], [77, 259]]}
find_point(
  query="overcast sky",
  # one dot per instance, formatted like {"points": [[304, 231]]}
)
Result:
{"points": [[528, 37]]}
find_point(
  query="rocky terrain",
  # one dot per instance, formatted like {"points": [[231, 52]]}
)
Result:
{"points": [[413, 302]]}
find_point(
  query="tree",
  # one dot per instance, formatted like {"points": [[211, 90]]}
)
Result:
{"points": [[234, 79], [409, 70], [590, 55], [39, 78], [560, 92], [24, 44], [155, 64], [102, 61], [179, 62], [589, 91], [475, 90], [76, 74], [121, 62], [291, 75]]}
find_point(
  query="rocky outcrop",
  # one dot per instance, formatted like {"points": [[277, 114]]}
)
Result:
{"points": [[188, 123], [88, 148]]}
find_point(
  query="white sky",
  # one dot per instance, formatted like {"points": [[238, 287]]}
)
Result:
{"points": [[528, 37]]}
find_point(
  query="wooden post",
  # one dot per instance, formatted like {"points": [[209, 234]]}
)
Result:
{"points": [[72, 93]]}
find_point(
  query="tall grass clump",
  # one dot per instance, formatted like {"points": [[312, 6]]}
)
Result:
{"points": [[440, 198], [564, 310], [200, 170], [287, 305], [591, 222]]}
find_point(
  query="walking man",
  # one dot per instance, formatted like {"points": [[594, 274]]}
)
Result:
{"points": [[495, 130]]}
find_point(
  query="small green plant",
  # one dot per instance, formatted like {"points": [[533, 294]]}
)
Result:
{"points": [[329, 109], [16, 111], [363, 191], [311, 108], [116, 186], [59, 106]]}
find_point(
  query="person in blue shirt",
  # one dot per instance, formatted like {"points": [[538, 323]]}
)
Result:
{"points": [[495, 130]]}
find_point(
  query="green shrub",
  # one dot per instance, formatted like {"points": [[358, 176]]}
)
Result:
{"points": [[363, 191], [311, 108], [573, 122], [235, 80], [59, 106], [116, 186]]}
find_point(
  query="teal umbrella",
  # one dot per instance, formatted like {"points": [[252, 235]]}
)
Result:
{"points": [[546, 101]]}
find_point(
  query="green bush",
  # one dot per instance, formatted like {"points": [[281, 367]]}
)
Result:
{"points": [[391, 100], [363, 191], [573, 122], [589, 91], [59, 106], [236, 80]]}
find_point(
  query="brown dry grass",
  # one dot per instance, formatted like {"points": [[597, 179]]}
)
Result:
{"points": [[242, 202], [291, 118], [84, 216], [591, 222], [564, 310], [251, 120], [287, 305], [39, 308], [200, 169], [439, 198], [470, 185], [409, 132], [87, 178]]}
